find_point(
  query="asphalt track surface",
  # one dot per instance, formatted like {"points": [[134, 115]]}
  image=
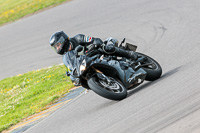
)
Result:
{"points": [[167, 30]]}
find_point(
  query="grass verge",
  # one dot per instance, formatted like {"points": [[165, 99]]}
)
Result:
{"points": [[11, 10], [29, 93]]}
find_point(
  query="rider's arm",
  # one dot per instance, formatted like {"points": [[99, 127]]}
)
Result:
{"points": [[80, 38]]}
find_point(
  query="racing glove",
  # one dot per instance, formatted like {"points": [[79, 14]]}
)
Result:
{"points": [[92, 47]]}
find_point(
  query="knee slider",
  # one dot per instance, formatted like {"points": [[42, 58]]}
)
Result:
{"points": [[110, 48]]}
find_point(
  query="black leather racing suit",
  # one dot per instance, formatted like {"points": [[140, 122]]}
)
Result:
{"points": [[109, 48]]}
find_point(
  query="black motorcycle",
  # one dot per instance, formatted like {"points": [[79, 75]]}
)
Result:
{"points": [[107, 75]]}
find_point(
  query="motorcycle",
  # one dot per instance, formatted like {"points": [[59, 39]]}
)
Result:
{"points": [[107, 75]]}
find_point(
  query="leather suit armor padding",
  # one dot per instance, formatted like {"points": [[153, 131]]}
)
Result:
{"points": [[80, 38]]}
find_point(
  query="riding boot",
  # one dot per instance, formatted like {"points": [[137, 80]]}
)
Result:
{"points": [[111, 49], [125, 53]]}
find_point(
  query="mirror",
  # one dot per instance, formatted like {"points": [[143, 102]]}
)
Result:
{"points": [[122, 42]]}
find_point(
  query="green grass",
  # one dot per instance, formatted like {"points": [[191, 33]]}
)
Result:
{"points": [[11, 10], [27, 94], [30, 93]]}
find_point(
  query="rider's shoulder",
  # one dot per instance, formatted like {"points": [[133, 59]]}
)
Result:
{"points": [[79, 36]]}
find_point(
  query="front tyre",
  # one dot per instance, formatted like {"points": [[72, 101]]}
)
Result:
{"points": [[114, 91]]}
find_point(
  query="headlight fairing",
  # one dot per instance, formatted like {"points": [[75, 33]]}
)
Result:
{"points": [[83, 66]]}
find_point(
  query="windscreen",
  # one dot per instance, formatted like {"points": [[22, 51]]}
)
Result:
{"points": [[72, 62]]}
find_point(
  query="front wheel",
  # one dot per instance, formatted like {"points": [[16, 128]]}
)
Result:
{"points": [[114, 90], [152, 67]]}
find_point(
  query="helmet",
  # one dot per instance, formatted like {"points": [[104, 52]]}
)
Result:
{"points": [[60, 42]]}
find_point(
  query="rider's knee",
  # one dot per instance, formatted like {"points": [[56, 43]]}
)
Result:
{"points": [[111, 40], [110, 48]]}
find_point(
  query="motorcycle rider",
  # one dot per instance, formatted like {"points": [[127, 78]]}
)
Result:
{"points": [[61, 43]]}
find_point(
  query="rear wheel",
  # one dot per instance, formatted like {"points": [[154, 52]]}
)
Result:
{"points": [[152, 67], [113, 90]]}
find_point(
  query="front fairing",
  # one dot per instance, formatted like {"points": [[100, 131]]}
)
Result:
{"points": [[109, 67], [72, 62]]}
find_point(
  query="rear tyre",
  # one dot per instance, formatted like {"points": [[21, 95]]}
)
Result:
{"points": [[114, 91], [154, 70]]}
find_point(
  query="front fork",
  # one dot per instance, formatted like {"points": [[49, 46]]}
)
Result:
{"points": [[102, 76]]}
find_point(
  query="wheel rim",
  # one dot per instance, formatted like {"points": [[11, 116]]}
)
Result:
{"points": [[114, 86], [152, 65]]}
